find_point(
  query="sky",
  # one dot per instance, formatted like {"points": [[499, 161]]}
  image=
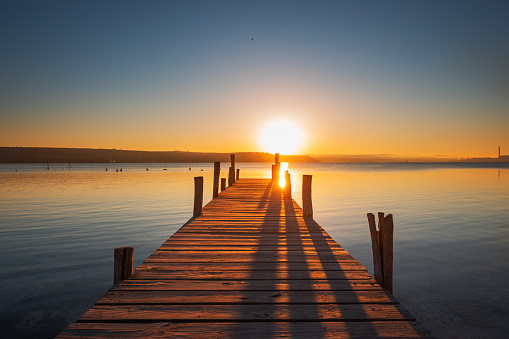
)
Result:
{"points": [[412, 78]]}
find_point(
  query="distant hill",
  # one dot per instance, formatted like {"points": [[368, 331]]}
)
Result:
{"points": [[88, 155]]}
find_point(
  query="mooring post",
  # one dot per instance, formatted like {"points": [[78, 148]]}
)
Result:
{"points": [[198, 196], [238, 174], [223, 184], [273, 172], [382, 246], [217, 170], [288, 186], [232, 160], [307, 204], [230, 176], [387, 255], [122, 264], [276, 158], [377, 259]]}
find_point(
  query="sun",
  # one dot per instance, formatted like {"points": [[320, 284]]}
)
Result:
{"points": [[282, 136]]}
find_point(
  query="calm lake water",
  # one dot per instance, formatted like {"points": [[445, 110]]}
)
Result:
{"points": [[58, 229]]}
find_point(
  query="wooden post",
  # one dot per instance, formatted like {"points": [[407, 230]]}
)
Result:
{"points": [[217, 170], [223, 184], [288, 186], [238, 174], [377, 260], [198, 196], [230, 176], [307, 204], [387, 255], [232, 160], [276, 158], [273, 172], [122, 264], [382, 246]]}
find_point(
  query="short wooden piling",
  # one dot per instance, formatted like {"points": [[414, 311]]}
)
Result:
{"points": [[382, 246], [230, 176], [387, 255], [307, 204], [288, 186], [377, 259], [122, 264], [232, 173], [238, 174], [198, 196], [217, 171], [223, 184]]}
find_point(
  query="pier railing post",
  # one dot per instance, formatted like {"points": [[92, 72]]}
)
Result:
{"points": [[198, 196], [382, 246], [122, 264], [217, 170], [238, 174], [223, 184], [307, 204], [288, 186]]}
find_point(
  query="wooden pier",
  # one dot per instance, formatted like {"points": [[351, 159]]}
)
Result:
{"points": [[250, 266]]}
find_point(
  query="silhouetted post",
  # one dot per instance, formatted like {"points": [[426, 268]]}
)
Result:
{"points": [[307, 204], [273, 172], [288, 186], [387, 255], [122, 264], [232, 160], [238, 174], [230, 176], [276, 158], [217, 170], [198, 196], [223, 184], [382, 246]]}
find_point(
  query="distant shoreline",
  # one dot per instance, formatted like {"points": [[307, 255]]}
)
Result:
{"points": [[90, 155]]}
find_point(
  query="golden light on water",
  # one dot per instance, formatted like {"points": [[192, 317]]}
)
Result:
{"points": [[282, 181], [282, 136]]}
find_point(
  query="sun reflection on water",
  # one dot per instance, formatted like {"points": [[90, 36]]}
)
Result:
{"points": [[282, 170]]}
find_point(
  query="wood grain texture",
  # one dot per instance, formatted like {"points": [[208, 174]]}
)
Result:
{"points": [[250, 266]]}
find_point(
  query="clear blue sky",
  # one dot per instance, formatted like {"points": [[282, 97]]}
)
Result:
{"points": [[397, 77]]}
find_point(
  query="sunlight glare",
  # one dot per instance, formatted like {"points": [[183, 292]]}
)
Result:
{"points": [[282, 136]]}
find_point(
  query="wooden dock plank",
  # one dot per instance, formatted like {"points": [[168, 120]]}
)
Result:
{"points": [[245, 297], [245, 330], [247, 285], [256, 312], [236, 266], [249, 266]]}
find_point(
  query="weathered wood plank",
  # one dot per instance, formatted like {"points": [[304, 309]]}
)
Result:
{"points": [[248, 285], [246, 297], [245, 330], [236, 266], [216, 247], [206, 256], [152, 273], [256, 312]]}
